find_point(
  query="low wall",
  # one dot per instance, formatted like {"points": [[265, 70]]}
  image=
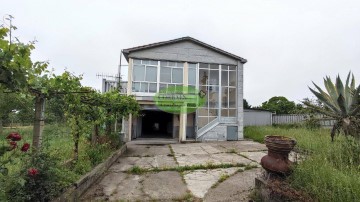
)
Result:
{"points": [[80, 186]]}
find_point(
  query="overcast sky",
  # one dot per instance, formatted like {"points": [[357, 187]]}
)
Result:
{"points": [[287, 44]]}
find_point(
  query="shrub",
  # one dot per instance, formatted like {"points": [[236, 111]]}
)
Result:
{"points": [[40, 179], [97, 153]]}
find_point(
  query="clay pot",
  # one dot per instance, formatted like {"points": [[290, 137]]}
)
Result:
{"points": [[277, 159]]}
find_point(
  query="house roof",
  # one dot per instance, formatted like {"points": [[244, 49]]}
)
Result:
{"points": [[127, 51]]}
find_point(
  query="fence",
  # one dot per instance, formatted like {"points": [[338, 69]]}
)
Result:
{"points": [[262, 118], [253, 117]]}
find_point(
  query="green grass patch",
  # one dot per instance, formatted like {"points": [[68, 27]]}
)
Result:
{"points": [[138, 170], [330, 171]]}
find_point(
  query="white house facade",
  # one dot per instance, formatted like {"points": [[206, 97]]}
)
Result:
{"points": [[186, 62]]}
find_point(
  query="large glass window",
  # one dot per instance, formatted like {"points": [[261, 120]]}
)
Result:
{"points": [[145, 76], [209, 83], [228, 91]]}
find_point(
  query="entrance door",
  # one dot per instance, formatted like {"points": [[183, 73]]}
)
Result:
{"points": [[157, 124]]}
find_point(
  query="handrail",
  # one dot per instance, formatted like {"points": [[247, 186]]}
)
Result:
{"points": [[207, 127]]}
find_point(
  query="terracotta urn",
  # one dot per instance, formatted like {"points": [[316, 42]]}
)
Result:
{"points": [[277, 159]]}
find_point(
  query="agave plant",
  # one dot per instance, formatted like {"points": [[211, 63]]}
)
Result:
{"points": [[341, 103]]}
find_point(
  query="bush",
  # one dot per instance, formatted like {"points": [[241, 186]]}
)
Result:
{"points": [[40, 179], [312, 123], [98, 153]]}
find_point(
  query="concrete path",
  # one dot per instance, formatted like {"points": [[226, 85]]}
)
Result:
{"points": [[214, 171]]}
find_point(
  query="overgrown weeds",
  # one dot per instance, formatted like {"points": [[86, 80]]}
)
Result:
{"points": [[330, 172]]}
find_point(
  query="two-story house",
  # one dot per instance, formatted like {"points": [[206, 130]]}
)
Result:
{"points": [[186, 62]]}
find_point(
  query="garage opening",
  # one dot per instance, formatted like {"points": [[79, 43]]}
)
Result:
{"points": [[157, 124]]}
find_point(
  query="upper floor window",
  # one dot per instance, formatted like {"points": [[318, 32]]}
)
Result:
{"points": [[145, 76], [171, 74]]}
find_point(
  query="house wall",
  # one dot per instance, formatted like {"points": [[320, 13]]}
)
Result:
{"points": [[184, 51]]}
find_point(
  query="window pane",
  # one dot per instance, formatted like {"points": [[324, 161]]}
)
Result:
{"points": [[136, 87], [213, 112], [153, 62], [172, 64], [202, 121], [177, 75], [213, 97], [165, 74], [224, 78], [224, 97], [214, 77], [163, 63], [191, 65], [202, 65], [180, 64], [224, 67], [232, 112], [232, 97], [137, 61], [203, 76], [152, 88], [151, 73], [192, 77], [162, 86], [231, 67], [144, 87], [224, 112], [139, 73], [214, 66], [145, 62], [232, 79], [203, 111]]}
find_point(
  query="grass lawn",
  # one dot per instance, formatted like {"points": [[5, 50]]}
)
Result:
{"points": [[331, 172]]}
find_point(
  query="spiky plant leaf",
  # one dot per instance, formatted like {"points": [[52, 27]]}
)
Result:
{"points": [[328, 102], [341, 103]]}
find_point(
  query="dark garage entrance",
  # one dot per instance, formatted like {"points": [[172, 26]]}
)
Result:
{"points": [[157, 124]]}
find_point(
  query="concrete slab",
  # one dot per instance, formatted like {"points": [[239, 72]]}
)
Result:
{"points": [[188, 149], [146, 150], [230, 158], [164, 186], [160, 161], [200, 181], [255, 156], [240, 146], [236, 188], [130, 189], [210, 149], [115, 186], [215, 159]]}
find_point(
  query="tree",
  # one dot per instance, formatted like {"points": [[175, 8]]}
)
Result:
{"points": [[19, 74], [279, 105], [340, 102], [246, 104]]}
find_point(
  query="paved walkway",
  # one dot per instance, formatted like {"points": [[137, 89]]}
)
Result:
{"points": [[216, 171]]}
